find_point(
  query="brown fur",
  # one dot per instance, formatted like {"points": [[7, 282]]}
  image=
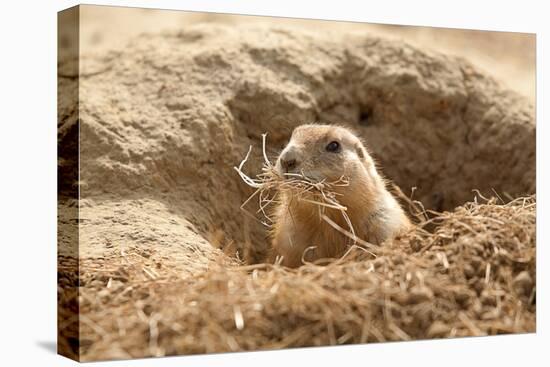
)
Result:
{"points": [[373, 211]]}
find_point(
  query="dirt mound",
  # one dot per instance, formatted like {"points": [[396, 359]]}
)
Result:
{"points": [[475, 275], [163, 122]]}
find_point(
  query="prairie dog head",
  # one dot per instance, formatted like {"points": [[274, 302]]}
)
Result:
{"points": [[326, 152]]}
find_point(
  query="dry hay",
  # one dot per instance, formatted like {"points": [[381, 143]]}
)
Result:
{"points": [[473, 274]]}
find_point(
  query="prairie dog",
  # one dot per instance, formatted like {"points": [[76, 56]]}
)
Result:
{"points": [[328, 152]]}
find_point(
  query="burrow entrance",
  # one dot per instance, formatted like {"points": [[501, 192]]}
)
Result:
{"points": [[441, 146]]}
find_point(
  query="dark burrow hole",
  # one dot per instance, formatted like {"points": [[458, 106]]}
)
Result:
{"points": [[365, 116]]}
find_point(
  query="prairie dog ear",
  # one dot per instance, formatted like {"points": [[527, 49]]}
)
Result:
{"points": [[361, 151], [364, 156]]}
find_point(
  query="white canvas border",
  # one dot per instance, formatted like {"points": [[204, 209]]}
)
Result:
{"points": [[28, 182]]}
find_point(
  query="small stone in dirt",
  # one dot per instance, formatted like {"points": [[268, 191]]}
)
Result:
{"points": [[104, 294], [469, 271], [523, 283], [420, 294], [416, 244], [438, 329], [462, 297], [487, 299]]}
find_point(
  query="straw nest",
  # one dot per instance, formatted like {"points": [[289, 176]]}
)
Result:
{"points": [[472, 273]]}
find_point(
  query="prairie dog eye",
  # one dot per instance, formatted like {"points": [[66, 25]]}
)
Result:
{"points": [[333, 147]]}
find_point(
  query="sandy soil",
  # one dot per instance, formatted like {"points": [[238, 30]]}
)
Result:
{"points": [[509, 57], [165, 116]]}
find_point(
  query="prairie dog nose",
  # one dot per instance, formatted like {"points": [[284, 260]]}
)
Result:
{"points": [[289, 160]]}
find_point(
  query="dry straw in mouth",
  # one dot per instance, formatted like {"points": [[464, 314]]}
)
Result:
{"points": [[302, 188]]}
